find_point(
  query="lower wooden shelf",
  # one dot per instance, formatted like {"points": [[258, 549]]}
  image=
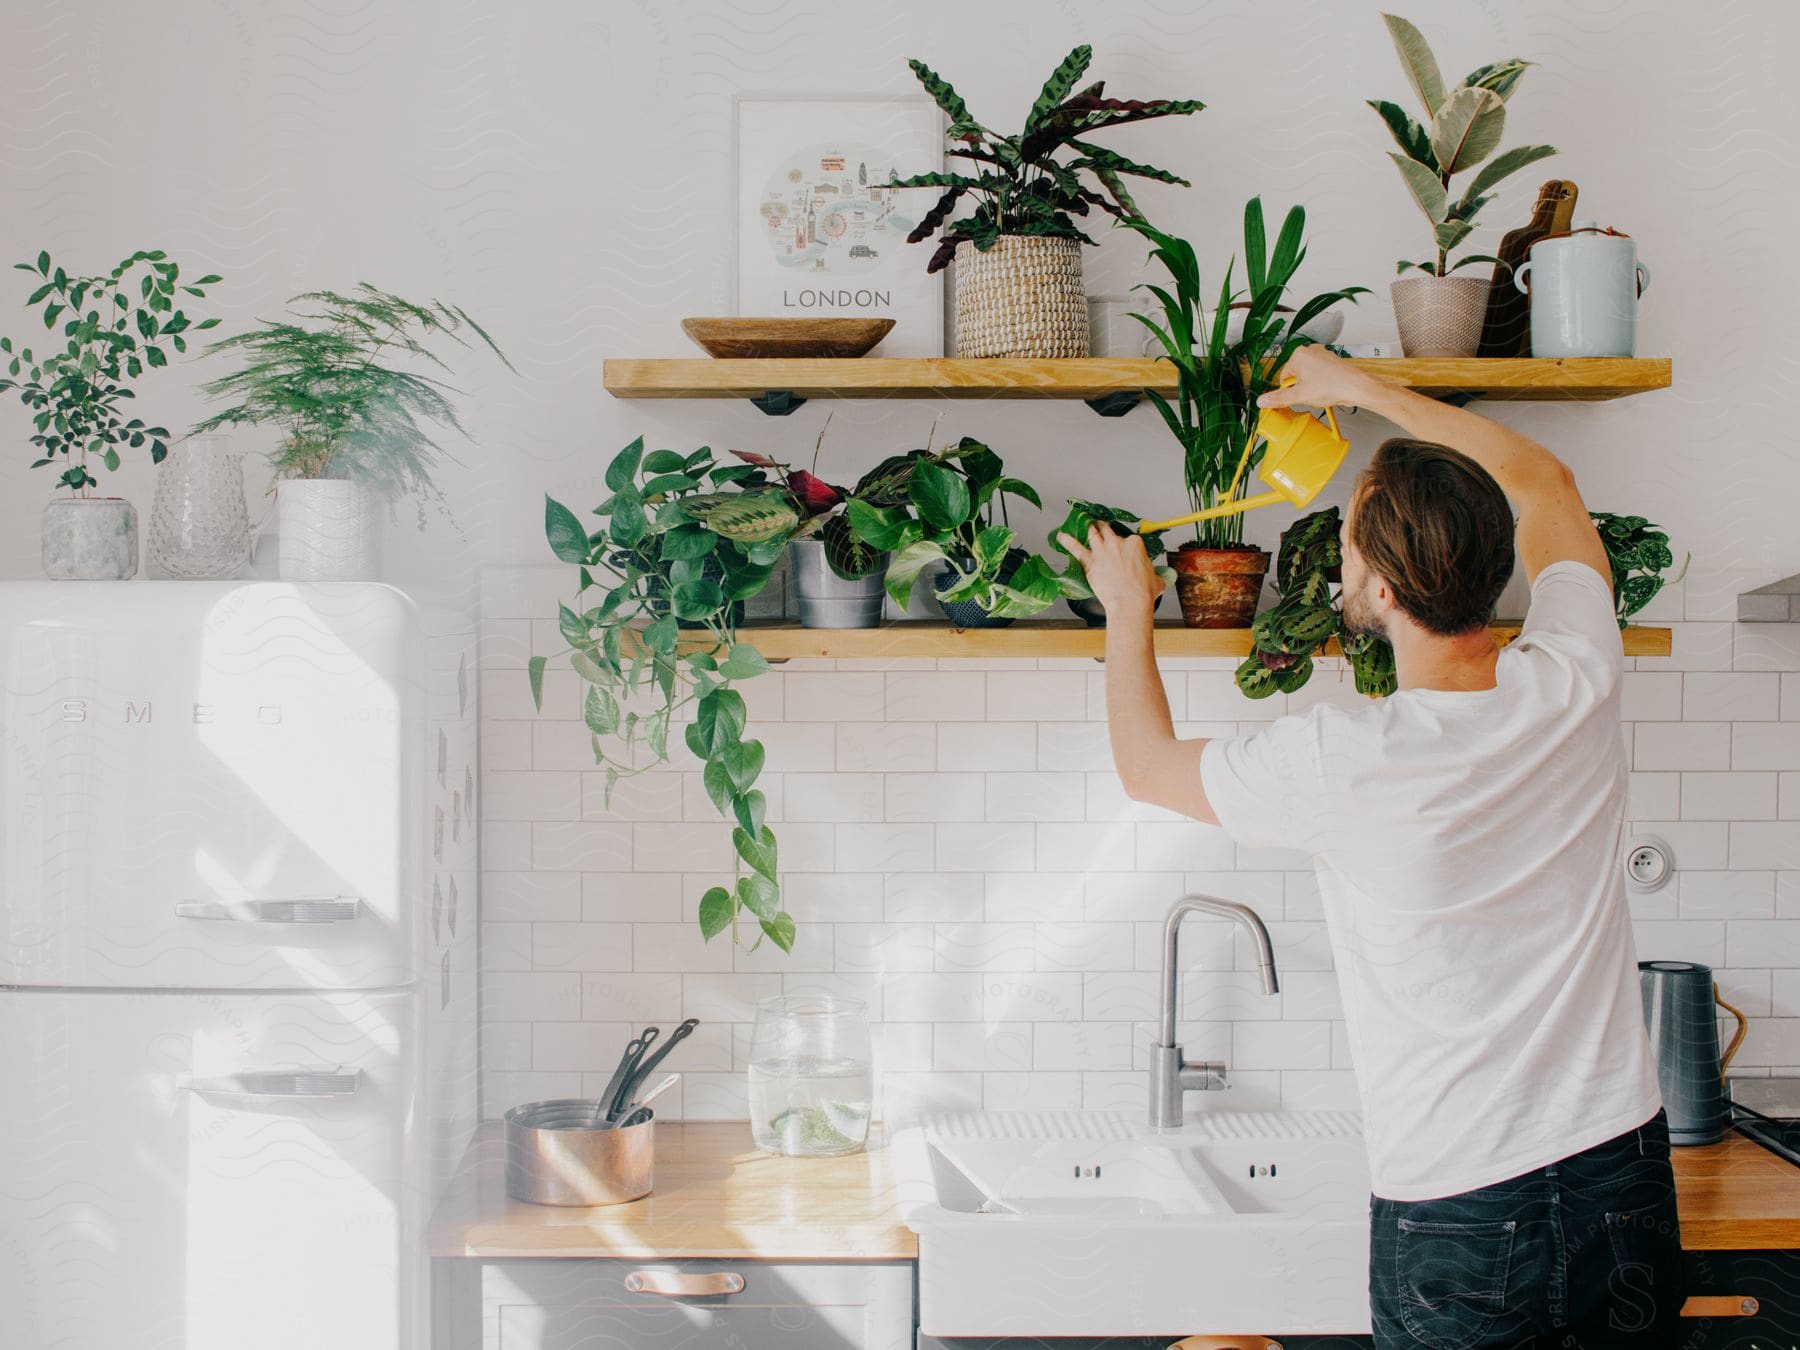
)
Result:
{"points": [[1027, 639]]}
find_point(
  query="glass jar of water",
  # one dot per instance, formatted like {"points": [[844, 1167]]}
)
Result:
{"points": [[809, 1074]]}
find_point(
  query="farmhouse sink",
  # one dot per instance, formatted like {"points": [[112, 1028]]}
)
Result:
{"points": [[1090, 1223]]}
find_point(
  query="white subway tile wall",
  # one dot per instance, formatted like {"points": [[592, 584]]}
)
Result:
{"points": [[958, 853]]}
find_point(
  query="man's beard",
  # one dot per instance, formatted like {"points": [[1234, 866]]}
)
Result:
{"points": [[1360, 617]]}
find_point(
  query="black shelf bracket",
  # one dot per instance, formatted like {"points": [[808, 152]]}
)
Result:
{"points": [[778, 402], [1115, 405]]}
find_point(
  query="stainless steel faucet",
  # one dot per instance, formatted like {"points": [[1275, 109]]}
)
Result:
{"points": [[1171, 1075]]}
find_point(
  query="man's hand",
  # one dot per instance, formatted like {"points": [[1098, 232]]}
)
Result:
{"points": [[1322, 380], [1118, 570]]}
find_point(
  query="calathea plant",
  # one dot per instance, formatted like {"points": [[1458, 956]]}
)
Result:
{"points": [[1462, 128], [820, 509], [1639, 554], [954, 512], [116, 327], [1286, 636], [1017, 184], [678, 546]]}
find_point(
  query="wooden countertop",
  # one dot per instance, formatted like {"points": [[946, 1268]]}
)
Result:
{"points": [[718, 1195]]}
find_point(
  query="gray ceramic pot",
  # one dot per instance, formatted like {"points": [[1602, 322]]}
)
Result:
{"points": [[90, 539], [828, 600]]}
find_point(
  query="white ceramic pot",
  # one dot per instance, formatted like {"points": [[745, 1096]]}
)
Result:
{"points": [[1584, 290], [90, 539], [1440, 316], [328, 530]]}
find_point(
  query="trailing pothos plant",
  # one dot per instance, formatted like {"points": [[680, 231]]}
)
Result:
{"points": [[1214, 413], [1083, 515], [679, 546], [1462, 128], [950, 507], [117, 326], [1016, 183], [1290, 633], [1639, 554]]}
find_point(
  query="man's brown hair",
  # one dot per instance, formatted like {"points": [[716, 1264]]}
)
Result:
{"points": [[1437, 527]]}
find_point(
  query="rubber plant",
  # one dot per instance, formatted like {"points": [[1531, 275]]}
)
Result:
{"points": [[117, 326], [1290, 633], [1213, 415], [1017, 184], [1462, 128], [683, 540], [1639, 554], [950, 507]]}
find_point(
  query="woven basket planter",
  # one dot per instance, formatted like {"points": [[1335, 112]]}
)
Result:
{"points": [[1023, 297], [1439, 316]]}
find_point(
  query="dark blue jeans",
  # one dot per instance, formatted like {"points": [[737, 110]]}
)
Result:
{"points": [[1584, 1253]]}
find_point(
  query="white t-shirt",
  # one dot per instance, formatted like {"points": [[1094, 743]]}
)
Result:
{"points": [[1467, 845]]}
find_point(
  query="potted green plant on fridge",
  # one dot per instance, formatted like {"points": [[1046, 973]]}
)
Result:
{"points": [[1437, 312], [1213, 415], [1083, 516], [682, 542], [1018, 252], [112, 329], [954, 518], [355, 426]]}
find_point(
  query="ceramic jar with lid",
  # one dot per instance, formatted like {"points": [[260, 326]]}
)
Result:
{"points": [[1584, 288]]}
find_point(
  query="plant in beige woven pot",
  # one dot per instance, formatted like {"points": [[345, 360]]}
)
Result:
{"points": [[1018, 252], [1439, 314]]}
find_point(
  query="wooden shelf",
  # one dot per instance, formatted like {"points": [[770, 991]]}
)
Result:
{"points": [[1029, 639], [1111, 384]]}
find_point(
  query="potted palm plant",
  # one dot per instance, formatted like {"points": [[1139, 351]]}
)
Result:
{"points": [[353, 423], [113, 329], [953, 517], [682, 541], [1018, 253], [1214, 414], [1438, 313]]}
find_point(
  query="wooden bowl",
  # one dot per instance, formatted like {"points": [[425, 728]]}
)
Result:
{"points": [[758, 338]]}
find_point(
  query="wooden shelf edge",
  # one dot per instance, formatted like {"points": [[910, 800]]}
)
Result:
{"points": [[925, 640], [1584, 379]]}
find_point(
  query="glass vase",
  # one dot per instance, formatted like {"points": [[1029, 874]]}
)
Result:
{"points": [[199, 525], [810, 1079]]}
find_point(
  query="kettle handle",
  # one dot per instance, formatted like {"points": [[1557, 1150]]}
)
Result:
{"points": [[1518, 278], [1743, 1027]]}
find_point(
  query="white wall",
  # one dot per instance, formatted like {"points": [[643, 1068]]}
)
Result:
{"points": [[562, 171]]}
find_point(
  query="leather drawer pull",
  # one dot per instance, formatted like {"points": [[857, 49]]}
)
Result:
{"points": [[1720, 1305], [672, 1284]]}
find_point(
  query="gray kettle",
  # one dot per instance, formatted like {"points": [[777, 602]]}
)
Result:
{"points": [[1680, 1010]]}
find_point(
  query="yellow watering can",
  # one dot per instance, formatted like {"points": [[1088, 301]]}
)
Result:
{"points": [[1301, 457]]}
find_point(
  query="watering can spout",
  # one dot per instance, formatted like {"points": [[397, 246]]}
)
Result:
{"points": [[1300, 458]]}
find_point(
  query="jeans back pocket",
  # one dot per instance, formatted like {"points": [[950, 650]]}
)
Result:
{"points": [[1646, 1285], [1452, 1279]]}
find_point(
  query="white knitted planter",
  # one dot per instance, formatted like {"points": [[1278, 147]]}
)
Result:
{"points": [[1439, 316], [327, 530], [1023, 297]]}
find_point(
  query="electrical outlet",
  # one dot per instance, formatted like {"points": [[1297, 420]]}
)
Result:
{"points": [[1649, 863]]}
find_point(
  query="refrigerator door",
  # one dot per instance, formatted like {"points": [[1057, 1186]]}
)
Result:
{"points": [[204, 1171], [203, 785]]}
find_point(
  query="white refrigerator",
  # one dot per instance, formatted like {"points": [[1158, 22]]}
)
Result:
{"points": [[216, 978]]}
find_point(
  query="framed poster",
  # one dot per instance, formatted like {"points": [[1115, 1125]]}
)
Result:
{"points": [[819, 231]]}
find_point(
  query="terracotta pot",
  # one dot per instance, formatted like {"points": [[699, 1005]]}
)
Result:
{"points": [[1219, 587], [1440, 316]]}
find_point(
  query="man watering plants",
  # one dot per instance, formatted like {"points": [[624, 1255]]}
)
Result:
{"points": [[1465, 833]]}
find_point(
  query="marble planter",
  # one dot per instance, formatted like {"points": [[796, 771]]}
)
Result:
{"points": [[90, 539]]}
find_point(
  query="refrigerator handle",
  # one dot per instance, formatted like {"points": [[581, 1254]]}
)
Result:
{"points": [[338, 909], [334, 1082]]}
